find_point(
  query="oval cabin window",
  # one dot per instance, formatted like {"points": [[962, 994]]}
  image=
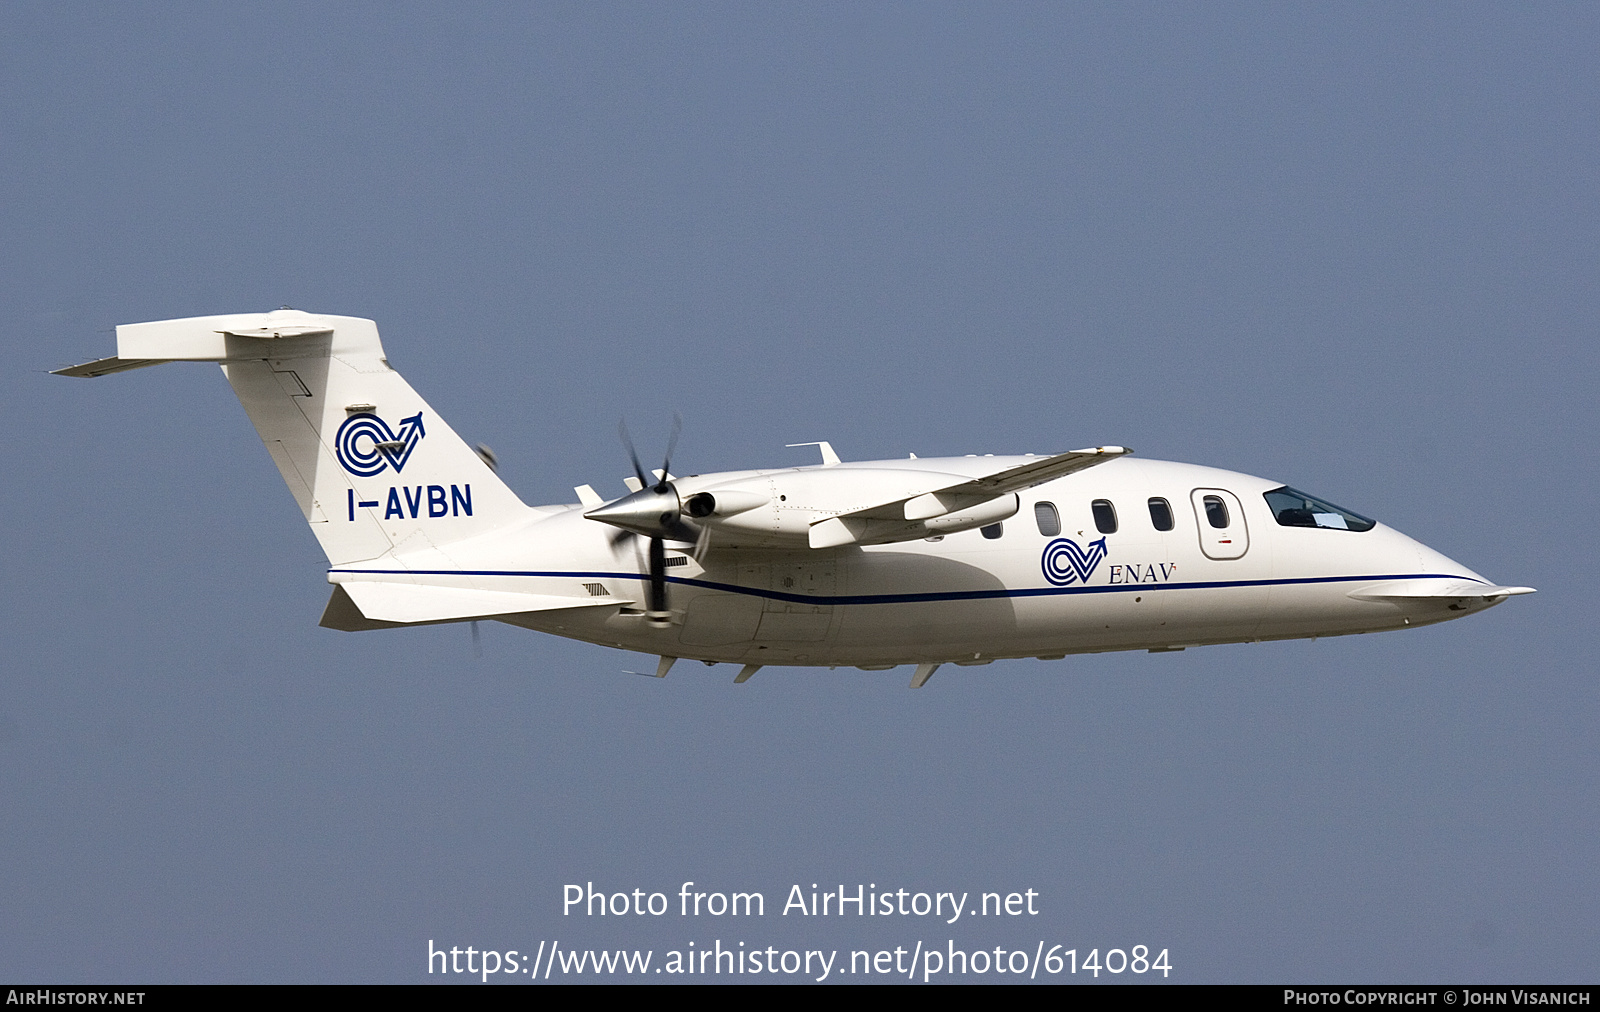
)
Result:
{"points": [[1105, 516], [1160, 514], [1049, 521]]}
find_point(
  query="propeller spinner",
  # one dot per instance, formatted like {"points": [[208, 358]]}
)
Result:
{"points": [[653, 512]]}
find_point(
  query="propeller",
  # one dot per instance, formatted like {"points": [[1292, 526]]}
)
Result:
{"points": [[655, 513]]}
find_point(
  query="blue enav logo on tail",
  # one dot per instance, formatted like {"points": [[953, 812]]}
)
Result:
{"points": [[383, 446], [1064, 562]]}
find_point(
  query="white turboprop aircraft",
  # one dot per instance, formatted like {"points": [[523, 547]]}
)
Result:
{"points": [[872, 563]]}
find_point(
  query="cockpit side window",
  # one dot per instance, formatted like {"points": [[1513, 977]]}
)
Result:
{"points": [[1294, 508]]}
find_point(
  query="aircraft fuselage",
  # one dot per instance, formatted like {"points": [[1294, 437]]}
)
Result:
{"points": [[977, 595]]}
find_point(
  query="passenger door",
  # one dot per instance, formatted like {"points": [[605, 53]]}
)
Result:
{"points": [[1220, 521]]}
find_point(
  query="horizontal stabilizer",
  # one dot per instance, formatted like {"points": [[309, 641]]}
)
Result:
{"points": [[105, 367], [411, 603], [1435, 587], [237, 337]]}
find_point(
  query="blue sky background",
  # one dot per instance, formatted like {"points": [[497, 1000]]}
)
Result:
{"points": [[1349, 247]]}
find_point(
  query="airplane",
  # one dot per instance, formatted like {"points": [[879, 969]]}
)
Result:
{"points": [[870, 564]]}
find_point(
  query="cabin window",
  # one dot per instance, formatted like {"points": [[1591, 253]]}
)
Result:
{"points": [[1216, 511], [1049, 521], [1294, 508], [993, 531], [1160, 514], [1105, 516]]}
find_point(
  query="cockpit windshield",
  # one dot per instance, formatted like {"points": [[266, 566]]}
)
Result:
{"points": [[1294, 508]]}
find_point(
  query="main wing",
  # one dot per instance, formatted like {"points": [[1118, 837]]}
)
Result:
{"points": [[907, 518]]}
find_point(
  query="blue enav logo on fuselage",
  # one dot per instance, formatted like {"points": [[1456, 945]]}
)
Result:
{"points": [[384, 447], [1064, 562]]}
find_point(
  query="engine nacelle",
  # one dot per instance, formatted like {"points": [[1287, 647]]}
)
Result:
{"points": [[723, 502], [992, 512], [848, 530]]}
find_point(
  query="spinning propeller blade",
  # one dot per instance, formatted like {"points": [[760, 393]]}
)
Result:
{"points": [[672, 444], [633, 455], [658, 613]]}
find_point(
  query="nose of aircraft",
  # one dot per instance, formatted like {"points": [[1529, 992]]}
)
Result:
{"points": [[1429, 586], [1435, 563]]}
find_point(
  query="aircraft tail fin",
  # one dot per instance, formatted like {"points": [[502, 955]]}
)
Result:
{"points": [[372, 467]]}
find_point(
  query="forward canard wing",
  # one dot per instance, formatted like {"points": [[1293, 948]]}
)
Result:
{"points": [[958, 506], [1436, 587]]}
